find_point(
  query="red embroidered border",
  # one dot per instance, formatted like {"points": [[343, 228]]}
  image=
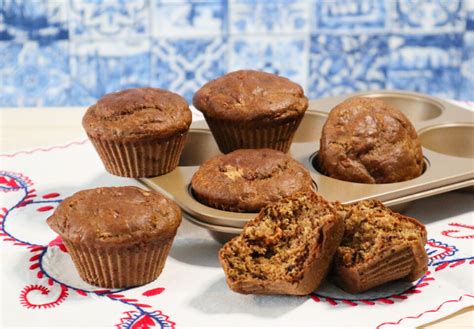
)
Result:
{"points": [[6, 155], [425, 312]]}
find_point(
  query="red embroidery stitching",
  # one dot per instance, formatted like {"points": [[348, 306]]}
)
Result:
{"points": [[449, 233], [428, 311], [423, 282], [141, 318], [24, 300], [56, 147]]}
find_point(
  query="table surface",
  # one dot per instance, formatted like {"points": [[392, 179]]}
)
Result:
{"points": [[23, 129]]}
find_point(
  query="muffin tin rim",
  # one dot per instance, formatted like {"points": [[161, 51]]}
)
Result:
{"points": [[445, 125], [241, 218]]}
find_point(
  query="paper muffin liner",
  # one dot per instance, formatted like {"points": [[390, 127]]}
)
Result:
{"points": [[119, 266], [390, 267], [231, 136], [145, 158]]}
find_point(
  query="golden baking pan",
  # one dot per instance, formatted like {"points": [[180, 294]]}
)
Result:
{"points": [[446, 132]]}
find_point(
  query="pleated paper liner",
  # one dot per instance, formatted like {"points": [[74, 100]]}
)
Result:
{"points": [[145, 158], [401, 264], [119, 266], [231, 136]]}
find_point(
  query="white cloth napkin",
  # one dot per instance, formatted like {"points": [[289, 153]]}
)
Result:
{"points": [[40, 286]]}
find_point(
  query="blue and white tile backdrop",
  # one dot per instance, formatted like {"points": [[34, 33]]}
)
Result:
{"points": [[70, 52]]}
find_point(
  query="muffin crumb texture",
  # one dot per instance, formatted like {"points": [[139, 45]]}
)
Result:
{"points": [[279, 238], [371, 230], [279, 248]]}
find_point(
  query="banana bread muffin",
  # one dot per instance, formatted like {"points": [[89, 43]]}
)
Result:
{"points": [[246, 180], [366, 140], [378, 246], [286, 249], [117, 236], [138, 132], [252, 109]]}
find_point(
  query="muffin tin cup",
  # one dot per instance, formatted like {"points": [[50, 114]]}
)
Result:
{"points": [[220, 233], [140, 158], [453, 139], [119, 267], [447, 167], [231, 136]]}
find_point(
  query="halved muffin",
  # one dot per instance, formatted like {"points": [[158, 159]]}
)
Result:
{"points": [[379, 246], [286, 249]]}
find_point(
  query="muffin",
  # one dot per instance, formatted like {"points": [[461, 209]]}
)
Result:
{"points": [[247, 180], [378, 246], [251, 109], [286, 249], [117, 236], [138, 132], [366, 140]]}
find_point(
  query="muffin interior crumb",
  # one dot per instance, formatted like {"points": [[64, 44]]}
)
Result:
{"points": [[276, 245], [372, 229]]}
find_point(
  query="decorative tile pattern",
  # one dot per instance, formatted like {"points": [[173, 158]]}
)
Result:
{"points": [[426, 63], [344, 64], [32, 74], [470, 15], [350, 14], [40, 20], [102, 67], [255, 16], [271, 55], [96, 19], [467, 68], [70, 52], [189, 18], [184, 65], [429, 15]]}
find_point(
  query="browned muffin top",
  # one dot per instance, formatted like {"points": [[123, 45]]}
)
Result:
{"points": [[248, 179], [137, 114], [115, 215], [372, 229], [367, 140], [247, 95]]}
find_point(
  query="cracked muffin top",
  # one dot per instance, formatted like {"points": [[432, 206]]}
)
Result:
{"points": [[248, 95], [137, 113], [246, 180], [366, 140], [115, 215]]}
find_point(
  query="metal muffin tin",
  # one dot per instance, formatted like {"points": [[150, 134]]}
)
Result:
{"points": [[446, 132]]}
